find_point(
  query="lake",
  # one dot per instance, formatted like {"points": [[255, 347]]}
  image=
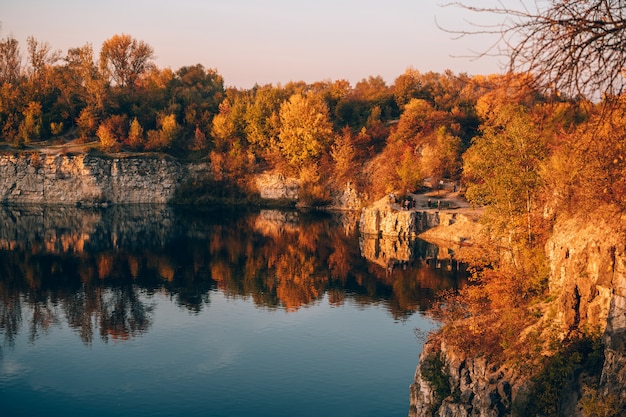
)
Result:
{"points": [[160, 311]]}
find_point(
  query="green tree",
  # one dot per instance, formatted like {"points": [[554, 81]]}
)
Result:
{"points": [[305, 130], [502, 169], [195, 93], [409, 171], [30, 128]]}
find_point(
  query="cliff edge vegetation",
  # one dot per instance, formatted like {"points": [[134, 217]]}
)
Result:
{"points": [[540, 331]]}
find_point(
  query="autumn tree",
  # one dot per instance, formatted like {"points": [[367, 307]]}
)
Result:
{"points": [[355, 109], [441, 156], [588, 166], [409, 171], [262, 117], [40, 56], [10, 60], [87, 123], [84, 81], [228, 125], [407, 86], [344, 155], [414, 120], [113, 132], [167, 134], [135, 135], [305, 128], [124, 59], [10, 96], [333, 92]]}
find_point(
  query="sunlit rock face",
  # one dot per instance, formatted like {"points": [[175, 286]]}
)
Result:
{"points": [[88, 179], [587, 260], [91, 180], [397, 223], [347, 198], [274, 186], [588, 273], [387, 235]]}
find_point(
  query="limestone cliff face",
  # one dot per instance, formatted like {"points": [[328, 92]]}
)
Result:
{"points": [[90, 180], [390, 236], [386, 221], [87, 179], [275, 186], [588, 273], [587, 258], [479, 389], [347, 198]]}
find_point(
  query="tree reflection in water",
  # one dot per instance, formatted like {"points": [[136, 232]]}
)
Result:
{"points": [[98, 269]]}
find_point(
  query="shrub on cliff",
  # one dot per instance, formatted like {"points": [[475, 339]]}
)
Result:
{"points": [[435, 372]]}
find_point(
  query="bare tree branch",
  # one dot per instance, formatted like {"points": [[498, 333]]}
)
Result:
{"points": [[573, 47]]}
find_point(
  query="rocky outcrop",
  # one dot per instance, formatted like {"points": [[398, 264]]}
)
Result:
{"points": [[95, 180], [347, 198], [398, 223], [587, 282], [276, 186], [90, 180], [588, 274], [476, 388]]}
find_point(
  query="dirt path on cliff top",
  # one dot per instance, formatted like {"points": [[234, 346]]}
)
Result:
{"points": [[442, 200]]}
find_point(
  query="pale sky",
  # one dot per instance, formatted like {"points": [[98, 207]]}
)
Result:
{"points": [[263, 41]]}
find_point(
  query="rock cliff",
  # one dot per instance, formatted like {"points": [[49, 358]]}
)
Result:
{"points": [[587, 282], [89, 180], [276, 186], [94, 180], [386, 221], [588, 277]]}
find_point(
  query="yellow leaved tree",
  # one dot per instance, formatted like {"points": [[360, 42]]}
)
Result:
{"points": [[305, 128]]}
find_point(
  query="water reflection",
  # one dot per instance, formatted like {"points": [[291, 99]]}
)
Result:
{"points": [[97, 269]]}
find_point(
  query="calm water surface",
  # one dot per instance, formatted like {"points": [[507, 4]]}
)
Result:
{"points": [[150, 311]]}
